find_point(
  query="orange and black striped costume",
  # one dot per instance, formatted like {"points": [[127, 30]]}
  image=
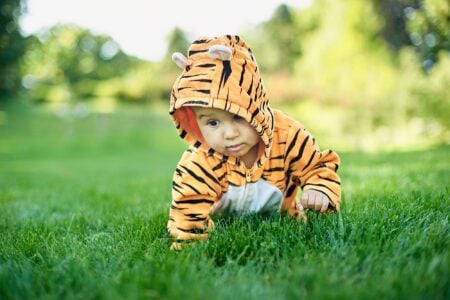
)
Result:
{"points": [[206, 181]]}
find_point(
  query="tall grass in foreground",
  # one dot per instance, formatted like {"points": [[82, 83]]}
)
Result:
{"points": [[84, 205]]}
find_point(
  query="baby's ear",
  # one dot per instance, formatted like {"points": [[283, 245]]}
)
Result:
{"points": [[220, 52], [180, 60]]}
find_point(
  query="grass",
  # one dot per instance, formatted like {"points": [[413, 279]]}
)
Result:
{"points": [[84, 205]]}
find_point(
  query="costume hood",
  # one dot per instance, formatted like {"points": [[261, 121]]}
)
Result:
{"points": [[220, 73]]}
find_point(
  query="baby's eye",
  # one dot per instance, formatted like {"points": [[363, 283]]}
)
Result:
{"points": [[212, 123]]}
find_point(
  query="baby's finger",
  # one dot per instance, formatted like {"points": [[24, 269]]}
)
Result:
{"points": [[325, 203], [304, 199], [312, 199], [318, 203]]}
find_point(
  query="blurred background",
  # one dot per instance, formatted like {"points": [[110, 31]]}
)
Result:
{"points": [[360, 75]]}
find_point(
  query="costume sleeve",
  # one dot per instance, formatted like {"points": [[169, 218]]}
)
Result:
{"points": [[195, 189], [311, 168]]}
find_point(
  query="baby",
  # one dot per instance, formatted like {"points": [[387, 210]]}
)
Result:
{"points": [[244, 157]]}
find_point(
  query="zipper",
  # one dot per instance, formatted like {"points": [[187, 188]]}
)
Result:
{"points": [[248, 176]]}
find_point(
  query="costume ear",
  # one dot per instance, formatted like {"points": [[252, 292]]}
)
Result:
{"points": [[220, 52], [180, 60]]}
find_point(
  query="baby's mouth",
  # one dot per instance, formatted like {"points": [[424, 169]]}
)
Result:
{"points": [[235, 147]]}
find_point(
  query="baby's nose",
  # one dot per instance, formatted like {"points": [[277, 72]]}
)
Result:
{"points": [[231, 132]]}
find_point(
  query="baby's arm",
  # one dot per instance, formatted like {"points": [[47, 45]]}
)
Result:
{"points": [[314, 171], [194, 191]]}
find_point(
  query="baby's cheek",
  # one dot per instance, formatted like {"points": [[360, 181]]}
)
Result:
{"points": [[217, 144]]}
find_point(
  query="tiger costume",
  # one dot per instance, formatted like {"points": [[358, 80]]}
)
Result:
{"points": [[222, 73]]}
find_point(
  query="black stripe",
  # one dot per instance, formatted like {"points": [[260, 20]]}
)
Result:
{"points": [[194, 201], [300, 152], [196, 102], [250, 88], [195, 217], [202, 80], [178, 208], [207, 92], [192, 188], [174, 184], [277, 157], [193, 52], [222, 177], [200, 41], [290, 190], [239, 173], [328, 179], [206, 173], [310, 160], [177, 190], [218, 166], [276, 169], [257, 88], [226, 72], [321, 165], [198, 178], [242, 73], [191, 230], [195, 75], [206, 65], [291, 145], [254, 113]]}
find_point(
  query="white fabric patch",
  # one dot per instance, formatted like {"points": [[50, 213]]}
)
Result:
{"points": [[256, 197]]}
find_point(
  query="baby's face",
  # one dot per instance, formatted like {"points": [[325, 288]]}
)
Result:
{"points": [[228, 134]]}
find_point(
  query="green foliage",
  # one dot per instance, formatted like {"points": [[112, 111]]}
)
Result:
{"points": [[433, 94], [12, 47], [422, 24], [68, 63], [167, 71], [349, 89], [278, 40], [176, 42], [84, 204]]}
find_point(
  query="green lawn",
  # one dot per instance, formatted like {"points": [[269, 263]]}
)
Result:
{"points": [[84, 204]]}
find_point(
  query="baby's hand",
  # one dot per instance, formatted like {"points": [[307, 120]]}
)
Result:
{"points": [[314, 200]]}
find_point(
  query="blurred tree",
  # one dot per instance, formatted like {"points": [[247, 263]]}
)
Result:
{"points": [[282, 39], [68, 63], [167, 70], [422, 24], [12, 47], [177, 42]]}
